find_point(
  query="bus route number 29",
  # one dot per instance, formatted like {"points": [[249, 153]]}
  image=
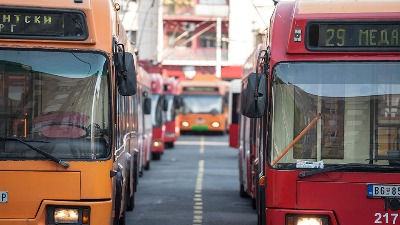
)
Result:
{"points": [[385, 218]]}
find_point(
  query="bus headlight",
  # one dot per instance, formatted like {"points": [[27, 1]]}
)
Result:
{"points": [[68, 215], [157, 143], [307, 220], [185, 124], [215, 124]]}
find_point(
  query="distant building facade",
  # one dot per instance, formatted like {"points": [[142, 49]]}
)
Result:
{"points": [[183, 38]]}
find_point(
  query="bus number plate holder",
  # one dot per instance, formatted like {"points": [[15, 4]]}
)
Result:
{"points": [[383, 191], [3, 196], [200, 121]]}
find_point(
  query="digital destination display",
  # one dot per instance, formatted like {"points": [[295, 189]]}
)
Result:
{"points": [[42, 24], [201, 89], [354, 36]]}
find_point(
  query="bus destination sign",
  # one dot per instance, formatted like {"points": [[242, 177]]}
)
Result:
{"points": [[353, 36], [42, 24], [201, 89]]}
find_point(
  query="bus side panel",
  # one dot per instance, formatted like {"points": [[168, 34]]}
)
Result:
{"points": [[233, 135]]}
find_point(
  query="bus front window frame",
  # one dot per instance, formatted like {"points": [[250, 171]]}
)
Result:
{"points": [[64, 98], [357, 102]]}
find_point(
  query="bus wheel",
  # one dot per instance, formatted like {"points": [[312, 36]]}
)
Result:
{"points": [[122, 219], [131, 202], [156, 155], [242, 193], [147, 166], [169, 144]]}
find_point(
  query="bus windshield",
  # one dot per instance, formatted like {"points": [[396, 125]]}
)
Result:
{"points": [[156, 110], [202, 104], [57, 102], [171, 111], [359, 108]]}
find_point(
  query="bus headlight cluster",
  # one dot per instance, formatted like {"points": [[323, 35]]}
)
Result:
{"points": [[215, 124], [185, 124], [68, 215], [307, 220], [157, 143]]}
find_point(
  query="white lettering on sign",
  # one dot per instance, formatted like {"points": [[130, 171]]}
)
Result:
{"points": [[385, 218], [3, 196]]}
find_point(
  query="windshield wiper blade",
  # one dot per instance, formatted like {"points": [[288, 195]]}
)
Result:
{"points": [[55, 159], [304, 131], [342, 167]]}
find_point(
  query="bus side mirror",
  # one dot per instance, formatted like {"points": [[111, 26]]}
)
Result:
{"points": [[178, 102], [165, 105], [126, 73], [254, 96], [147, 105]]}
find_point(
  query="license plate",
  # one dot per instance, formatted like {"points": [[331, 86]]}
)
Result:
{"points": [[200, 121], [383, 191], [3, 196]]}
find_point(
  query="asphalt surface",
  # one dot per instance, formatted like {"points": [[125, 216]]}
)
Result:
{"points": [[194, 183]]}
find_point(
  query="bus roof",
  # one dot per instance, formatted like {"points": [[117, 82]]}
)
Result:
{"points": [[292, 38], [100, 15], [203, 86], [157, 83], [235, 85], [347, 6]]}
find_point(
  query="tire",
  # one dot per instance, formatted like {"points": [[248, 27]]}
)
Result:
{"points": [[156, 155], [242, 193], [147, 166], [118, 199], [122, 219], [169, 144], [131, 203]]}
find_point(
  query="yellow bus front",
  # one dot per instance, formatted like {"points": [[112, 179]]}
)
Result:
{"points": [[63, 150]]}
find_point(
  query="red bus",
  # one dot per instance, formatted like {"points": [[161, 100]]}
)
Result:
{"points": [[145, 126], [205, 104], [67, 107], [248, 155], [234, 112], [158, 108], [174, 103], [325, 100]]}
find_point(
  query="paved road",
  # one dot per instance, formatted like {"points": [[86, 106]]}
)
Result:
{"points": [[194, 183]]}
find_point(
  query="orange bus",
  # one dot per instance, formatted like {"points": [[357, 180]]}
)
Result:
{"points": [[205, 104], [174, 102], [67, 109], [325, 103]]}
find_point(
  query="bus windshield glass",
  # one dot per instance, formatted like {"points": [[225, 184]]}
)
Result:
{"points": [[357, 107], [171, 111], [156, 110], [202, 104], [57, 102]]}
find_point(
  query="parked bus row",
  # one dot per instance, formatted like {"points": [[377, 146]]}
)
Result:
{"points": [[77, 120], [319, 126]]}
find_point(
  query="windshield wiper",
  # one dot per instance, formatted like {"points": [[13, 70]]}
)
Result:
{"points": [[55, 159], [344, 167], [304, 131]]}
